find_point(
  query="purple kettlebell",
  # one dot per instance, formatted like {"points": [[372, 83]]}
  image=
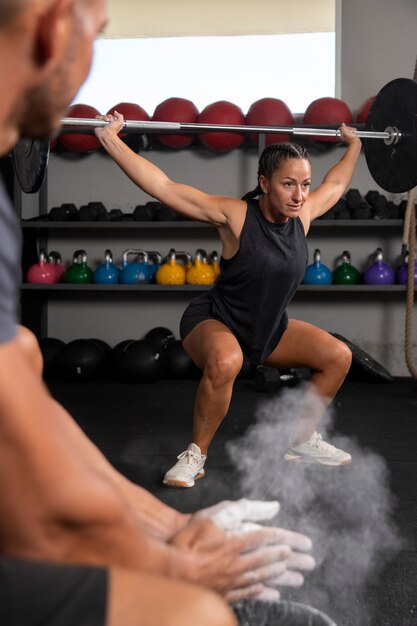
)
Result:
{"points": [[379, 273], [402, 272]]}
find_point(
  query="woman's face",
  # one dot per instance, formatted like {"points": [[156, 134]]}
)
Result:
{"points": [[287, 190]]}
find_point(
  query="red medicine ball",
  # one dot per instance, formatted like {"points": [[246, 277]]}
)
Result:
{"points": [[82, 142], [131, 111], [221, 112], [327, 111], [269, 112], [363, 112], [176, 110]]}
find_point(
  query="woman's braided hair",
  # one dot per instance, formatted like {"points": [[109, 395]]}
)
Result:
{"points": [[270, 160]]}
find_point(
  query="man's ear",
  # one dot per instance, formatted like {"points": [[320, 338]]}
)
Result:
{"points": [[54, 29]]}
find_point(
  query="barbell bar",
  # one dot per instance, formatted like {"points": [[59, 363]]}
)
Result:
{"points": [[392, 162], [390, 134]]}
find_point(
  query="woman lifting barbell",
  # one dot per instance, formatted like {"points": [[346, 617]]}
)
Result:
{"points": [[244, 313]]}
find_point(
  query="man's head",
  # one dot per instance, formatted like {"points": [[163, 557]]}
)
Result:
{"points": [[45, 55]]}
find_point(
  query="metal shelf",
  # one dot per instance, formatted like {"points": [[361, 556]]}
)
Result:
{"points": [[184, 224], [348, 289]]}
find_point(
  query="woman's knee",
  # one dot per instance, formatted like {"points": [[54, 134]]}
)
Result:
{"points": [[30, 347], [341, 356], [223, 366]]}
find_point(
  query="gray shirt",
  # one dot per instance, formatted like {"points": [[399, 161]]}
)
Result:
{"points": [[10, 271]]}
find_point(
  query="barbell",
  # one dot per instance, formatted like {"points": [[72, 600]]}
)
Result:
{"points": [[392, 119]]}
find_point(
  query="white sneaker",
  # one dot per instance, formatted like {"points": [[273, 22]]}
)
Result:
{"points": [[315, 450], [188, 468]]}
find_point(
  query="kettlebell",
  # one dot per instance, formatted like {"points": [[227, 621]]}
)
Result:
{"points": [[55, 260], [317, 273], [402, 271], [214, 262], [107, 273], [156, 260], [171, 272], [42, 271], [134, 273], [379, 272], [345, 273], [79, 271], [201, 273]]}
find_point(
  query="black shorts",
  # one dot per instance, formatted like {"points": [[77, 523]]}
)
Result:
{"points": [[199, 310], [203, 308], [50, 594]]}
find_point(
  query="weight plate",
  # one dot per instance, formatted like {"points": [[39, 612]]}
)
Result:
{"points": [[30, 160], [364, 367], [394, 167]]}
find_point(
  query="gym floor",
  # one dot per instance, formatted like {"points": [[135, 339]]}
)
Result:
{"points": [[367, 565]]}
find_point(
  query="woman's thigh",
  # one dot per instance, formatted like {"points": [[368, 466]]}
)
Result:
{"points": [[210, 339], [304, 345]]}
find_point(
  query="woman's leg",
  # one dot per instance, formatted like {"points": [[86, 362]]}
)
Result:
{"points": [[216, 351], [305, 345]]}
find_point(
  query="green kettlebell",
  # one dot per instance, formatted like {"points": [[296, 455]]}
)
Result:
{"points": [[345, 273], [79, 272]]}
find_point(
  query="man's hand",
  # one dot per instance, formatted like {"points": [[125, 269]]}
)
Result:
{"points": [[237, 518], [236, 565]]}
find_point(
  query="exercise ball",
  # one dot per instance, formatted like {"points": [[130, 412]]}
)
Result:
{"points": [[50, 347], [179, 364], [327, 111], [160, 337], [131, 111], [362, 114], [80, 142], [176, 110], [138, 362], [269, 112], [80, 360], [221, 112]]}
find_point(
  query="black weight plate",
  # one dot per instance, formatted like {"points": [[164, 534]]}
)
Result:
{"points": [[30, 160], [394, 167], [364, 367]]}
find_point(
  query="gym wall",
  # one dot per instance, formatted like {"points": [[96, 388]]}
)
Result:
{"points": [[377, 45]]}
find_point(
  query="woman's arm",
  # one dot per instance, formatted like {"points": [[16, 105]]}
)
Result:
{"points": [[184, 199], [337, 178]]}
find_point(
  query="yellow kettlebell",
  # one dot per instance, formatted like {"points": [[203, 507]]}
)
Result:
{"points": [[214, 262], [171, 272], [201, 273]]}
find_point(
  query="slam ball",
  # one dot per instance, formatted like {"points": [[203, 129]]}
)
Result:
{"points": [[138, 362], [131, 111], [221, 112], [80, 142], [269, 112], [80, 360], [327, 111], [362, 114], [50, 347], [176, 110]]}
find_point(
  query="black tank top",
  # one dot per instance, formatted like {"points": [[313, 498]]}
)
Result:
{"points": [[255, 286]]}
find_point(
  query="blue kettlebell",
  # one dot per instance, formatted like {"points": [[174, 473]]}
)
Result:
{"points": [[317, 273], [134, 273], [106, 273], [156, 260]]}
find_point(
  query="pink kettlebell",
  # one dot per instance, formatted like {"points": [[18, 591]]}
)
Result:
{"points": [[54, 258], [42, 271]]}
